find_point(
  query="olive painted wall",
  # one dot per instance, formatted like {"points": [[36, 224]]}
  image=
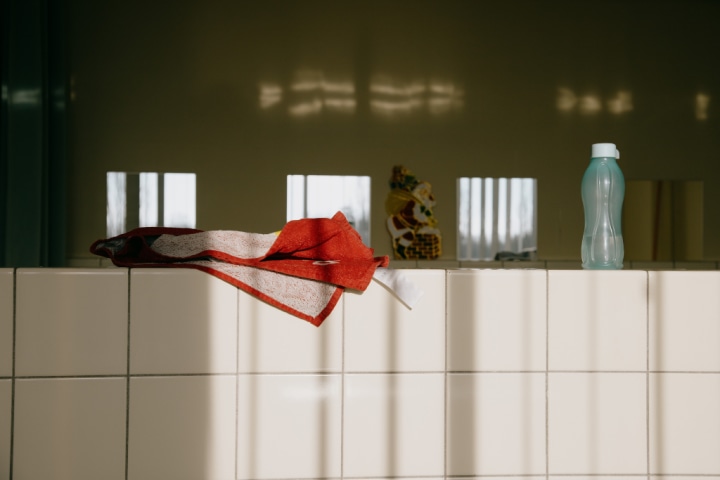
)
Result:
{"points": [[244, 93]]}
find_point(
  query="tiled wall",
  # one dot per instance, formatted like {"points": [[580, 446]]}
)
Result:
{"points": [[173, 374]]}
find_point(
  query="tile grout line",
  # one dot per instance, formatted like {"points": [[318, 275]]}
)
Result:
{"points": [[547, 375], [13, 379], [237, 378], [127, 382], [647, 374], [446, 392], [342, 388]]}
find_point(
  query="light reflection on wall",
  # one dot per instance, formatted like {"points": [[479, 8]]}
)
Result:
{"points": [[321, 196], [24, 96], [496, 215], [312, 92], [392, 97], [271, 94], [149, 199], [702, 104], [591, 104], [621, 103]]}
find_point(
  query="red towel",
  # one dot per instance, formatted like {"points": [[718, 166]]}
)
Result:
{"points": [[302, 271]]}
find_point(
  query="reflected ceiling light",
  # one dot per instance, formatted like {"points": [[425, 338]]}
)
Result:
{"points": [[445, 88], [270, 95], [445, 97], [339, 87], [305, 86], [439, 106], [401, 91], [389, 107], [307, 80], [566, 100], [702, 102], [312, 85], [25, 97], [621, 103], [346, 105], [303, 109], [386, 86], [590, 104]]}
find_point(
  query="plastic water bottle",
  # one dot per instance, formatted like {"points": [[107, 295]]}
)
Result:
{"points": [[603, 191]]}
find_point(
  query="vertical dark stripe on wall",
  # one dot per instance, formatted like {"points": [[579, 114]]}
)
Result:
{"points": [[33, 134], [4, 42], [55, 238]]}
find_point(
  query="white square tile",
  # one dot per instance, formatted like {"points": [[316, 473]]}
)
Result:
{"points": [[685, 423], [6, 321], [271, 340], [497, 320], [70, 428], [604, 477], [597, 423], [393, 425], [182, 428], [685, 321], [496, 424], [289, 426], [182, 321], [597, 320], [5, 421], [684, 477], [383, 335], [71, 321]]}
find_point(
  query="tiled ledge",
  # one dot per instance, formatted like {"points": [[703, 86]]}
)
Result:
{"points": [[170, 373], [551, 264], [93, 262]]}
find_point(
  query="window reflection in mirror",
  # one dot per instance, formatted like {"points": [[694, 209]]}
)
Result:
{"points": [[321, 196], [149, 199], [497, 218]]}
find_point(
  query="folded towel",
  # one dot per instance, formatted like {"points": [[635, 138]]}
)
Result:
{"points": [[302, 271]]}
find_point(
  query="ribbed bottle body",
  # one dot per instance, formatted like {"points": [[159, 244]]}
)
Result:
{"points": [[603, 192]]}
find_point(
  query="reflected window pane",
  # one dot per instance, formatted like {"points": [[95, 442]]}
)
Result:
{"points": [[497, 218], [149, 199], [179, 200], [321, 196], [116, 203]]}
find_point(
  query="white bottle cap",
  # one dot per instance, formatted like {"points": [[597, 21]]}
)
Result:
{"points": [[604, 150]]}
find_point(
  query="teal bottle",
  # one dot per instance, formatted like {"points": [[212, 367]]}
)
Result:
{"points": [[603, 192]]}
